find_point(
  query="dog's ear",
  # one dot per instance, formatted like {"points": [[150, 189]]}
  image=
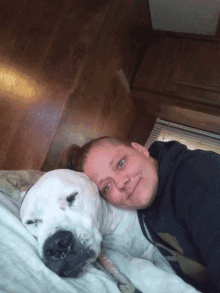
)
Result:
{"points": [[68, 157]]}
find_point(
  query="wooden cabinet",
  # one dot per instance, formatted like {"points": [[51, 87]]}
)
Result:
{"points": [[179, 80]]}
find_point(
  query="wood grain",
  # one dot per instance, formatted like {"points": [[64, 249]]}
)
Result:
{"points": [[44, 47], [198, 66], [192, 64], [100, 105], [178, 81]]}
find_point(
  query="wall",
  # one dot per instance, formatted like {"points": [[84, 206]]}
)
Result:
{"points": [[188, 16]]}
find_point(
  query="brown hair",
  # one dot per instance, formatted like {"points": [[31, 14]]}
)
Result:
{"points": [[74, 157]]}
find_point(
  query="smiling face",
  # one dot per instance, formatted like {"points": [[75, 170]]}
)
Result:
{"points": [[127, 177]]}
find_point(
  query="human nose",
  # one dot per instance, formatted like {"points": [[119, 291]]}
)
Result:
{"points": [[121, 182]]}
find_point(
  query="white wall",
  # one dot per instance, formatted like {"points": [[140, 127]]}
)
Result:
{"points": [[189, 16]]}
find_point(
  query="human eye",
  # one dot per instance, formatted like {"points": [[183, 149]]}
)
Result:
{"points": [[121, 163], [105, 189]]}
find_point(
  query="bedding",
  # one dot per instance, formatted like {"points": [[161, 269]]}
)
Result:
{"points": [[22, 270]]}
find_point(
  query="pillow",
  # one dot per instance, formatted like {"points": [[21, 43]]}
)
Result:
{"points": [[22, 270], [13, 185]]}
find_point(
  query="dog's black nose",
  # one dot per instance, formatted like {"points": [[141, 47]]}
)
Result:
{"points": [[58, 246]]}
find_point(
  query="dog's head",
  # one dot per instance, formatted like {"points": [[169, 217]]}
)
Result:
{"points": [[61, 211]]}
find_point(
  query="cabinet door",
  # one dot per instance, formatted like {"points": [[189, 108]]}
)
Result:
{"points": [[181, 72]]}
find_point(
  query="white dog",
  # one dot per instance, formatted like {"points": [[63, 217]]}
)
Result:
{"points": [[72, 224]]}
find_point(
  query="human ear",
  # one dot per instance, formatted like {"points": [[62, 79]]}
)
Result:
{"points": [[138, 147]]}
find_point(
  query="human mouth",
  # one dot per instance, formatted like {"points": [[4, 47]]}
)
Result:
{"points": [[135, 187]]}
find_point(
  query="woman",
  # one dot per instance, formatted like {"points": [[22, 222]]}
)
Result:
{"points": [[176, 193]]}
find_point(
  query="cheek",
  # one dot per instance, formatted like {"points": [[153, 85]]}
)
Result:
{"points": [[33, 230], [149, 170], [136, 165], [114, 196]]}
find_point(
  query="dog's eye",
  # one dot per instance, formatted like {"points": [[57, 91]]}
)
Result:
{"points": [[29, 222], [71, 197]]}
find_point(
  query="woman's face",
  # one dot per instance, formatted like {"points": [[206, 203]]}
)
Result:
{"points": [[126, 177]]}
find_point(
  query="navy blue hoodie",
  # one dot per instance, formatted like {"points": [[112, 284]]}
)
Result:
{"points": [[184, 219]]}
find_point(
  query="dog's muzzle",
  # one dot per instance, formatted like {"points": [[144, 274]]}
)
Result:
{"points": [[65, 255]]}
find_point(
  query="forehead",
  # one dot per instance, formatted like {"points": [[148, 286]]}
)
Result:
{"points": [[54, 185], [106, 151], [56, 181], [101, 157]]}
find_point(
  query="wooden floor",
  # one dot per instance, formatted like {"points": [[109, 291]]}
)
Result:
{"points": [[57, 75]]}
